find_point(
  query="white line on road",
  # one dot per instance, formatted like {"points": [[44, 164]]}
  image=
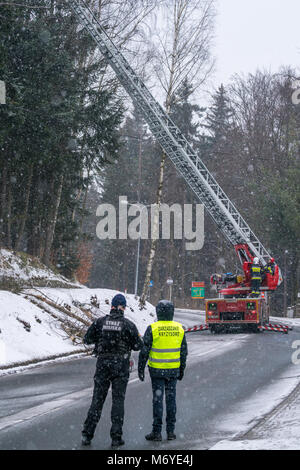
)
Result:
{"points": [[134, 380], [69, 399], [42, 409], [220, 346], [47, 407]]}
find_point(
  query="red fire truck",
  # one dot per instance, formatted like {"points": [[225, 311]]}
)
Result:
{"points": [[233, 305], [235, 308]]}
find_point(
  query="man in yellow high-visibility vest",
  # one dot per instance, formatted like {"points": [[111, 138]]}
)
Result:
{"points": [[165, 349]]}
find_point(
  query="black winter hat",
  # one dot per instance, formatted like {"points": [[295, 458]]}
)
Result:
{"points": [[165, 310], [118, 299]]}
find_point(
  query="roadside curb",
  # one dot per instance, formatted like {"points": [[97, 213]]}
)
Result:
{"points": [[20, 366], [244, 435], [249, 434]]}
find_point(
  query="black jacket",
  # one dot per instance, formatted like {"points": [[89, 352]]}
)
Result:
{"points": [[114, 336], [144, 355], [257, 272]]}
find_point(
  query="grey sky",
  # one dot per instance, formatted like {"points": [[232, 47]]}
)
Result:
{"points": [[255, 34]]}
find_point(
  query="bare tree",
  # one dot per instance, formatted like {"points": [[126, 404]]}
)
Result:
{"points": [[262, 113], [183, 37], [124, 21]]}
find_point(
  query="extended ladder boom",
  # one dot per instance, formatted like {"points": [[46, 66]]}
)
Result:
{"points": [[173, 142]]}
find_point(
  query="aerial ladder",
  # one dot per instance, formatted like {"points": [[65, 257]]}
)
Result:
{"points": [[234, 291]]}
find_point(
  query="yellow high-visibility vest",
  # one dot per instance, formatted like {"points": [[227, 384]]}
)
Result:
{"points": [[166, 345], [256, 272]]}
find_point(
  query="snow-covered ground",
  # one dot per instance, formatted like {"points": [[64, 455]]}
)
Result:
{"points": [[142, 318], [189, 318], [33, 331], [22, 269], [38, 323], [286, 321], [279, 429], [41, 337], [278, 403]]}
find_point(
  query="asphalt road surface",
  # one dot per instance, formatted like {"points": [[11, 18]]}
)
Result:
{"points": [[44, 408]]}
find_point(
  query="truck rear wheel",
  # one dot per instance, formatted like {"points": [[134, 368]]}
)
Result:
{"points": [[215, 330], [252, 328]]}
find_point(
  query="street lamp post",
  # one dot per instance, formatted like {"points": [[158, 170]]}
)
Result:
{"points": [[285, 284], [138, 245], [2, 92], [170, 284], [137, 264]]}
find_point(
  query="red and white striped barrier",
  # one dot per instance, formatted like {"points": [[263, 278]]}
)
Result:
{"points": [[267, 327], [196, 328], [278, 328], [279, 325]]}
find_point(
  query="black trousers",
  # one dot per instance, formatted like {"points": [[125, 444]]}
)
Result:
{"points": [[159, 386], [255, 286], [116, 374]]}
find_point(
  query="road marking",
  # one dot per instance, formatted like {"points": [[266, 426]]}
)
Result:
{"points": [[69, 399], [206, 352], [134, 380], [47, 407], [221, 345], [43, 409]]}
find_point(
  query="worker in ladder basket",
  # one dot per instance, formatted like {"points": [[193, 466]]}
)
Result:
{"points": [[270, 268], [256, 272]]}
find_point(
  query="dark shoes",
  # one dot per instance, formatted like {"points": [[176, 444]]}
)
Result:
{"points": [[117, 442], [86, 441], [153, 436]]}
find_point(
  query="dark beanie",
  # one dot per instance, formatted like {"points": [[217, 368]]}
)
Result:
{"points": [[118, 299]]}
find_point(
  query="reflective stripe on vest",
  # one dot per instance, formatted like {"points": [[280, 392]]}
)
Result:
{"points": [[166, 345], [256, 273]]}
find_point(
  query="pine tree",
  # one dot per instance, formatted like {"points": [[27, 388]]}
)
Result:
{"points": [[219, 118], [56, 129]]}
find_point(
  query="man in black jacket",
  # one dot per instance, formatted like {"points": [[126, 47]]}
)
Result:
{"points": [[115, 337], [166, 348]]}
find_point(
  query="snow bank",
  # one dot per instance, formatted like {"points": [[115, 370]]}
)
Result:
{"points": [[27, 333], [30, 332], [290, 443], [22, 269], [141, 318], [287, 321], [279, 429]]}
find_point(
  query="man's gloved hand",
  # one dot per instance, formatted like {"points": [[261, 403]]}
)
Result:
{"points": [[181, 374], [141, 374]]}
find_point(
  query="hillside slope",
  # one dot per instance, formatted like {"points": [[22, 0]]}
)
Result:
{"points": [[37, 323], [18, 269]]}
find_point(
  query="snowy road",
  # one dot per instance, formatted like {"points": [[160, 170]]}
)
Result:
{"points": [[44, 408]]}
